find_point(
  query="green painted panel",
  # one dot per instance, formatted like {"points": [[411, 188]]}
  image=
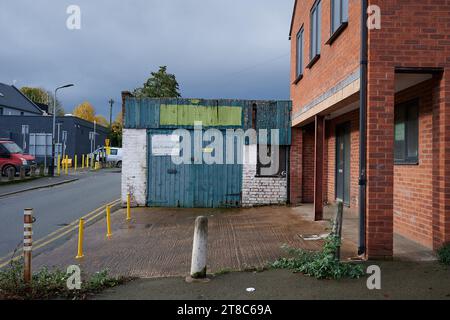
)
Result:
{"points": [[186, 115]]}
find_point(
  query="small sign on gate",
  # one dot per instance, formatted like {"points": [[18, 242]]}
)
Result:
{"points": [[165, 145]]}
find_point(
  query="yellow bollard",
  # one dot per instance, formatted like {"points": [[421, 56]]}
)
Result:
{"points": [[80, 239], [59, 165], [108, 222], [67, 165], [128, 207], [75, 167], [82, 161]]}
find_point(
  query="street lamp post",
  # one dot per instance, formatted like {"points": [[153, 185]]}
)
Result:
{"points": [[52, 166]]}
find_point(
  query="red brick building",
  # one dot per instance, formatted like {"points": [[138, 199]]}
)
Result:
{"points": [[393, 113]]}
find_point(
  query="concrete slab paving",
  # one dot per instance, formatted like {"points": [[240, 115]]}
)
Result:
{"points": [[158, 241]]}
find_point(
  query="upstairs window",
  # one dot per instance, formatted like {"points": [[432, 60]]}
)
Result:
{"points": [[300, 45], [339, 14], [316, 20], [407, 133]]}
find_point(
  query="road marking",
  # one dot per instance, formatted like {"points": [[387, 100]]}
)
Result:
{"points": [[55, 235]]}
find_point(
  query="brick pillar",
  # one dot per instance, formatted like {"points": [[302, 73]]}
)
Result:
{"points": [[380, 163], [441, 161], [296, 162], [319, 138]]}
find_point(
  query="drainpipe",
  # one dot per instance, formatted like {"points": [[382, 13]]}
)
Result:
{"points": [[362, 129]]}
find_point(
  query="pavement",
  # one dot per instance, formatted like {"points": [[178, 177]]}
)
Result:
{"points": [[399, 280], [157, 242], [56, 208], [33, 184]]}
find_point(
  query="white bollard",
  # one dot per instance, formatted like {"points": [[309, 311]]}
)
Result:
{"points": [[199, 248]]}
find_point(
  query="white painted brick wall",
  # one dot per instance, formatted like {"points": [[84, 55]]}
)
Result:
{"points": [[134, 166], [260, 191]]}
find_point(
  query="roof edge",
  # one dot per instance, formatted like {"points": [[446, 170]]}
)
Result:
{"points": [[24, 95], [292, 19]]}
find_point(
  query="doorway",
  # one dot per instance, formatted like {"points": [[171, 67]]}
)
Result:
{"points": [[343, 163]]}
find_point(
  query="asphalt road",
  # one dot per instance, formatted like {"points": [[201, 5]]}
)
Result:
{"points": [[55, 207]]}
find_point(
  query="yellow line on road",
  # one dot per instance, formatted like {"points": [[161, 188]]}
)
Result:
{"points": [[58, 233]]}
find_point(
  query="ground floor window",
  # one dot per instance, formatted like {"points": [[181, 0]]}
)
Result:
{"points": [[407, 133], [282, 156]]}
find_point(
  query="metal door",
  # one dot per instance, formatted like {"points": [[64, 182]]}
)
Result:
{"points": [[343, 163], [191, 185]]}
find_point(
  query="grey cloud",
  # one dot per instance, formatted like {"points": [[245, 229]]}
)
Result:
{"points": [[217, 49]]}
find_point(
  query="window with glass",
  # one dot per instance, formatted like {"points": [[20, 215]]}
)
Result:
{"points": [[339, 14], [406, 148], [300, 45], [282, 158], [315, 30]]}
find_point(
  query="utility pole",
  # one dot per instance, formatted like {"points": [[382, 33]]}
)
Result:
{"points": [[111, 102]]}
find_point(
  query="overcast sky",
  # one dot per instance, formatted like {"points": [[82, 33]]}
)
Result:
{"points": [[216, 48]]}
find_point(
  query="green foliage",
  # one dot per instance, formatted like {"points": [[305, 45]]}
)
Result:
{"points": [[160, 85], [116, 131], [40, 95], [319, 264], [48, 284], [444, 254]]}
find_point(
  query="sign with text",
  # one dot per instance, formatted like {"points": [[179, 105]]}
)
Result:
{"points": [[165, 145]]}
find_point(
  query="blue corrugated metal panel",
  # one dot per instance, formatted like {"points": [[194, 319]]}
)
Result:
{"points": [[191, 185]]}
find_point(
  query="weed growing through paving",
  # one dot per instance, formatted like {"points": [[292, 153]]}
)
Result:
{"points": [[49, 284], [444, 254], [319, 264]]}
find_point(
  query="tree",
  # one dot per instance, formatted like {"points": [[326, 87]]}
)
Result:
{"points": [[85, 111], [40, 95], [160, 85], [116, 131], [101, 120]]}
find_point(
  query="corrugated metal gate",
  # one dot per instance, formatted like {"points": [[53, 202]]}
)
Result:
{"points": [[191, 185]]}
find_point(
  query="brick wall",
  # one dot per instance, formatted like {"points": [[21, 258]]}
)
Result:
{"points": [[260, 191], [413, 184], [296, 172], [134, 166], [413, 34], [308, 164], [336, 61]]}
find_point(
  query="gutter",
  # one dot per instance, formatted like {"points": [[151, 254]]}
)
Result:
{"points": [[363, 129]]}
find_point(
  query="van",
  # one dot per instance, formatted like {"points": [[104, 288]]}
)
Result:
{"points": [[12, 156]]}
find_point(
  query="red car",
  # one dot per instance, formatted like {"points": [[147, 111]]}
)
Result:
{"points": [[12, 156]]}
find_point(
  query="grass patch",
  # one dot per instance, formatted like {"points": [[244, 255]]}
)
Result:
{"points": [[51, 284], [319, 264], [443, 254]]}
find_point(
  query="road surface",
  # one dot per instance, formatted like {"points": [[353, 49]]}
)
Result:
{"points": [[55, 207]]}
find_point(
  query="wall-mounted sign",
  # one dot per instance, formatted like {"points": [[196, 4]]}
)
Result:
{"points": [[165, 145]]}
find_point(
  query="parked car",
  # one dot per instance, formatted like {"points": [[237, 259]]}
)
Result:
{"points": [[12, 156], [114, 157]]}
